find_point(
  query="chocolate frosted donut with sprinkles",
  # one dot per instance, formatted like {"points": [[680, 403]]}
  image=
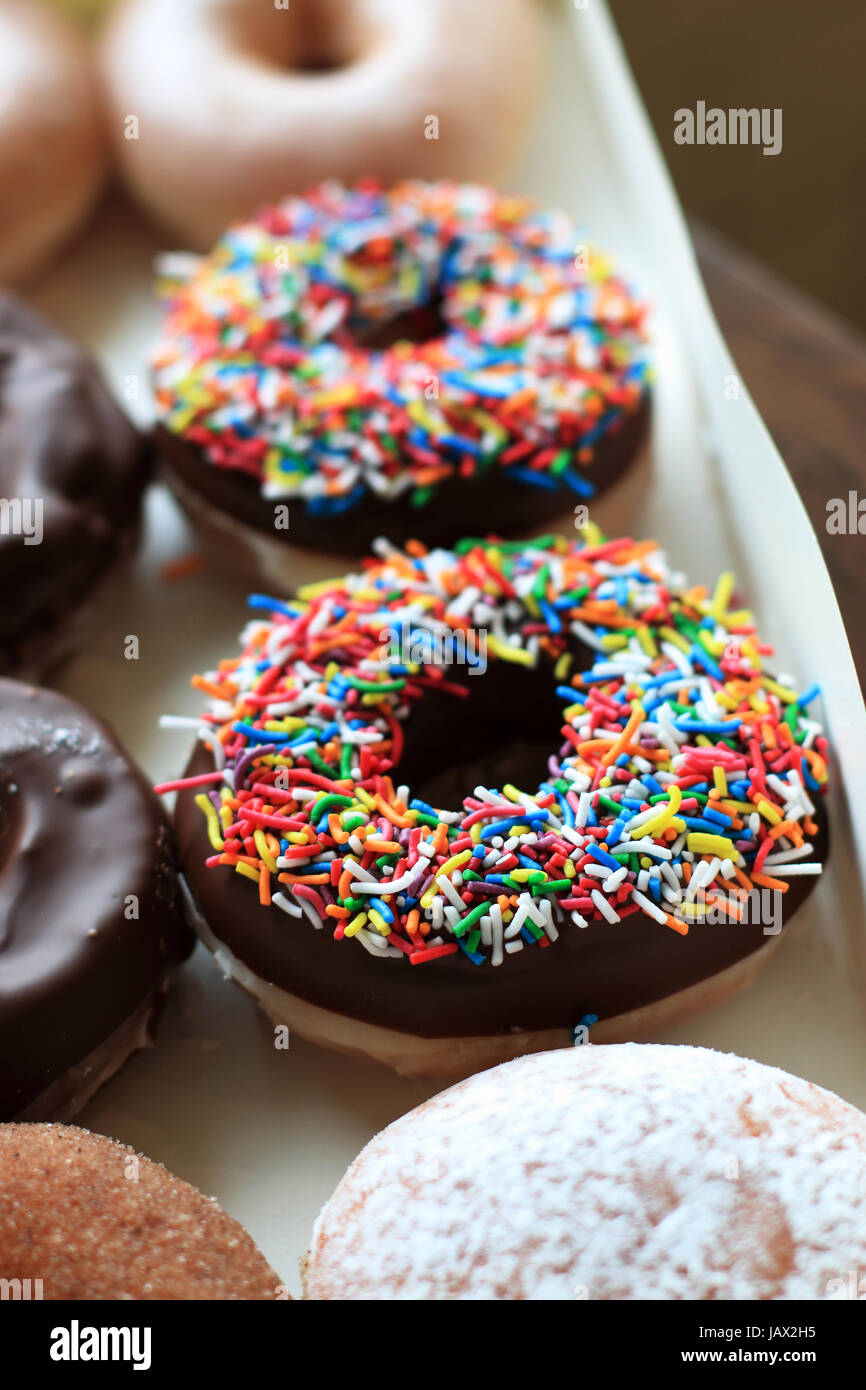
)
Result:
{"points": [[413, 362], [459, 804]]}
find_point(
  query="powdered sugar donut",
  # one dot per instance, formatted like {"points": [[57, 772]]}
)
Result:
{"points": [[239, 102], [625, 1172], [53, 151]]}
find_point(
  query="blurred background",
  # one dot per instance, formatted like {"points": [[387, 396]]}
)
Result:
{"points": [[802, 212]]}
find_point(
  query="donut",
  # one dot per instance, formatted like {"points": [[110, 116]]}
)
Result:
{"points": [[516, 382], [639, 802], [53, 147], [624, 1172], [91, 924], [218, 106], [72, 473], [87, 1218]]}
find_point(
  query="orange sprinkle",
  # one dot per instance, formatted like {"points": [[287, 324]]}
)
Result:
{"points": [[765, 881], [182, 568], [264, 887]]}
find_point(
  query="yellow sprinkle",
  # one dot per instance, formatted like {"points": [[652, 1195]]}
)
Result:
{"points": [[365, 798], [264, 853], [507, 653], [562, 667], [718, 606], [379, 922], [695, 908], [248, 871], [663, 817], [785, 694], [768, 812], [311, 591], [592, 533], [671, 635], [454, 863], [355, 925], [205, 804], [699, 843], [720, 781], [475, 832]]}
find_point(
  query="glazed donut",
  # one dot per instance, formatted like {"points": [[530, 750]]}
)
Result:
{"points": [[604, 1173], [91, 927], [516, 381], [53, 149], [92, 1219], [637, 802], [72, 472], [240, 102]]}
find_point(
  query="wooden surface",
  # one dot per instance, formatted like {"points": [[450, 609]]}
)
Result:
{"points": [[806, 372]]}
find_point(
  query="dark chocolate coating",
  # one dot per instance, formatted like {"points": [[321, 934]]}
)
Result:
{"points": [[63, 440], [495, 502], [603, 969], [80, 834]]}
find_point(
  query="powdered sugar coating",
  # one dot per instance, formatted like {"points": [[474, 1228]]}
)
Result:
{"points": [[619, 1172]]}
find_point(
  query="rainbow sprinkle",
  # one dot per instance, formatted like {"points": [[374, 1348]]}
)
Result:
{"points": [[684, 780], [540, 351]]}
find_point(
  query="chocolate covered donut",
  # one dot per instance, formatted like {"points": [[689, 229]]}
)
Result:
{"points": [[639, 801], [72, 471], [90, 922], [357, 362]]}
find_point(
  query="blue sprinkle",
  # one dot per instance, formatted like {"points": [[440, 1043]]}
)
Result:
{"points": [[382, 907], [603, 857]]}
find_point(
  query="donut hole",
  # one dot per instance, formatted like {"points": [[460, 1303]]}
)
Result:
{"points": [[314, 37], [419, 324], [505, 729]]}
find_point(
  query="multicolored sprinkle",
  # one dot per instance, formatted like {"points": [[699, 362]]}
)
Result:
{"points": [[537, 352], [684, 779]]}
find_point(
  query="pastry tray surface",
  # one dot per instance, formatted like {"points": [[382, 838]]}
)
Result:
{"points": [[268, 1132]]}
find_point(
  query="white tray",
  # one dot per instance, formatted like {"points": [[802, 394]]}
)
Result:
{"points": [[269, 1133]]}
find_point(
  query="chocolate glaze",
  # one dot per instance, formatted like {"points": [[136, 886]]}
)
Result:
{"points": [[603, 969], [62, 440], [80, 832], [494, 502]]}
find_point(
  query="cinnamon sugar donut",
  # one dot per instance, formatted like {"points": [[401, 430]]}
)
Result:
{"points": [[447, 808], [88, 1218], [625, 1172], [53, 148], [238, 102]]}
